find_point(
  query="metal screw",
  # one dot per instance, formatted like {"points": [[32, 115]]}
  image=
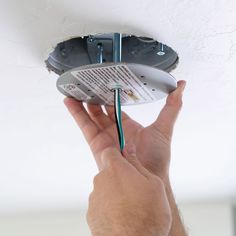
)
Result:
{"points": [[90, 39], [161, 51], [100, 53], [63, 52]]}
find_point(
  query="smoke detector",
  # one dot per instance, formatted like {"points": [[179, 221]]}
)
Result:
{"points": [[90, 66], [114, 69]]}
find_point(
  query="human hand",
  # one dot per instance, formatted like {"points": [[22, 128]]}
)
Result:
{"points": [[127, 199], [152, 143]]}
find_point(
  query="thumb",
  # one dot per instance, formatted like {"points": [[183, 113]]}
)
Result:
{"points": [[168, 115], [109, 156], [129, 153]]}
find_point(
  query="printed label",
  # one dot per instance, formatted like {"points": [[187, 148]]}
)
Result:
{"points": [[75, 91], [102, 80]]}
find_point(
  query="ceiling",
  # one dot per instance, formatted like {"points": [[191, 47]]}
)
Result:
{"points": [[44, 160]]}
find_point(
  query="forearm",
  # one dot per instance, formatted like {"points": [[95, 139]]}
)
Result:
{"points": [[177, 227], [124, 233], [124, 230]]}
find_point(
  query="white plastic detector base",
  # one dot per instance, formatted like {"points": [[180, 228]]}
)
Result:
{"points": [[95, 83]]}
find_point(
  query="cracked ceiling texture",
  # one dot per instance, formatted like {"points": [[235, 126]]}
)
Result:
{"points": [[44, 160]]}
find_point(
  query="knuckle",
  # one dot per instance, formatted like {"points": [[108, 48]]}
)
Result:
{"points": [[179, 103], [95, 181], [100, 178], [108, 151], [97, 178], [176, 102]]}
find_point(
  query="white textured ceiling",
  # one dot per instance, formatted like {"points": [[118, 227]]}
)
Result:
{"points": [[44, 160]]}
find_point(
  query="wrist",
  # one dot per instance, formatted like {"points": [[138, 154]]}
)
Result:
{"points": [[117, 230]]}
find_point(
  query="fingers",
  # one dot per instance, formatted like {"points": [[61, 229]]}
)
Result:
{"points": [[98, 116], [80, 115], [111, 113], [168, 115], [111, 157], [129, 153], [129, 166]]}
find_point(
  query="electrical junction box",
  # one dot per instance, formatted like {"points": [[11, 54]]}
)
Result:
{"points": [[88, 72]]}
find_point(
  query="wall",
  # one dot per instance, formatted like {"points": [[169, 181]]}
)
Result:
{"points": [[68, 223], [208, 219], [201, 220]]}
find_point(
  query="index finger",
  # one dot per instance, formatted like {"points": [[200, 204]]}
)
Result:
{"points": [[80, 115]]}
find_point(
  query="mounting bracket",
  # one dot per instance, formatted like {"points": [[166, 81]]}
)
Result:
{"points": [[82, 51]]}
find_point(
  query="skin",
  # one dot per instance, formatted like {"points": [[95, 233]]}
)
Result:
{"points": [[100, 132], [123, 199]]}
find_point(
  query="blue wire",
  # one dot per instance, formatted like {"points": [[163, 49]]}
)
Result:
{"points": [[118, 116]]}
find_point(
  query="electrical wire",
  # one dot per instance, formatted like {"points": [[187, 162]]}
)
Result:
{"points": [[118, 117]]}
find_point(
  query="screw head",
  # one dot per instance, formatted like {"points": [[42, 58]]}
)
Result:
{"points": [[63, 52], [161, 53], [91, 39]]}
